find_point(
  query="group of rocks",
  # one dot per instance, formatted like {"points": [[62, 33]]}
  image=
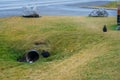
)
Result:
{"points": [[32, 12]]}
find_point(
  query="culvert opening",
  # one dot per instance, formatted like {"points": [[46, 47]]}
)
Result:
{"points": [[30, 56]]}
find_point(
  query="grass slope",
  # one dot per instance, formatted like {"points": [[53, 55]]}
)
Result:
{"points": [[113, 4], [79, 49]]}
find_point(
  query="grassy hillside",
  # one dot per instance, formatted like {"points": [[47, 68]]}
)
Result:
{"points": [[112, 4], [79, 49]]}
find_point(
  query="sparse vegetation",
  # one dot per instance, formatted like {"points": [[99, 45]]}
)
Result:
{"points": [[79, 49]]}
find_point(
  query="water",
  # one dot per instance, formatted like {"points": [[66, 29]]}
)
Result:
{"points": [[14, 4], [46, 7]]}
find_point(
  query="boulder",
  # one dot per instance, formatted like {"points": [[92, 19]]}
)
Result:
{"points": [[101, 12], [45, 54], [30, 12], [118, 28]]}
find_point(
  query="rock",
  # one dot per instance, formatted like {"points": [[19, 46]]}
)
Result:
{"points": [[104, 28], [101, 12], [30, 12], [118, 28], [45, 54], [30, 62]]}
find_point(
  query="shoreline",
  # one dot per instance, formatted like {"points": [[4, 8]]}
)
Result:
{"points": [[66, 9], [92, 5], [85, 4]]}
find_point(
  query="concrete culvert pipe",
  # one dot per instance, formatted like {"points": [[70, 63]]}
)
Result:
{"points": [[32, 56]]}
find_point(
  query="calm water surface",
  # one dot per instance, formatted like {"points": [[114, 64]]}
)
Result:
{"points": [[46, 7]]}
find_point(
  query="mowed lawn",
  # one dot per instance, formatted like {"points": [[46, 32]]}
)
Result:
{"points": [[79, 49]]}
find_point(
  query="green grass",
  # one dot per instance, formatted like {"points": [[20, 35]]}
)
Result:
{"points": [[113, 27], [104, 67], [112, 4], [79, 49]]}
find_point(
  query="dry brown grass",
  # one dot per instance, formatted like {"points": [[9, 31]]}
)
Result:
{"points": [[66, 70]]}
